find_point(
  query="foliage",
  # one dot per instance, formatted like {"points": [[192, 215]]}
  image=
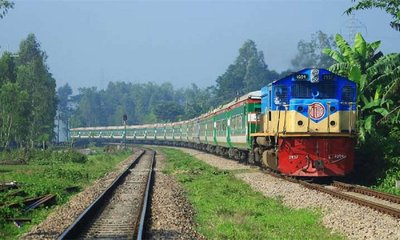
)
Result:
{"points": [[310, 53], [50, 172], [392, 7], [248, 73], [27, 96], [379, 160], [33, 75], [14, 104], [377, 77], [64, 105], [378, 80], [44, 157], [143, 103], [227, 208], [5, 5], [391, 157]]}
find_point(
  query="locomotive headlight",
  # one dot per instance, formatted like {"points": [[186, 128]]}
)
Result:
{"points": [[300, 108], [314, 75]]}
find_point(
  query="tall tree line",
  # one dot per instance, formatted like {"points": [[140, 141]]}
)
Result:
{"points": [[143, 103], [151, 103], [27, 96]]}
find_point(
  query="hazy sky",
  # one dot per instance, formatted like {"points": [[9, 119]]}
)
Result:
{"points": [[90, 43]]}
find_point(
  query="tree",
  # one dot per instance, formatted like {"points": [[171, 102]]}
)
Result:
{"points": [[27, 95], [88, 112], [168, 111], [248, 73], [310, 53], [5, 5], [64, 106], [195, 101], [13, 105], [34, 77], [7, 68], [377, 77], [392, 7]]}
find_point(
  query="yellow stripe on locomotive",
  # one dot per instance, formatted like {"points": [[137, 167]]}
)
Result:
{"points": [[298, 104], [308, 124]]}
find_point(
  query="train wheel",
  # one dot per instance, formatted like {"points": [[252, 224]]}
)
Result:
{"points": [[251, 158], [257, 157]]}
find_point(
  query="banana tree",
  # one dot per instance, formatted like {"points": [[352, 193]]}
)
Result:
{"points": [[377, 77]]}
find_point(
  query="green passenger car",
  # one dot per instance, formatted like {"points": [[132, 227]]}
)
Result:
{"points": [[225, 130]]}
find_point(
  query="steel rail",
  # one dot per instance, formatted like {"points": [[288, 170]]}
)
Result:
{"points": [[145, 201], [366, 191], [73, 230], [337, 193], [379, 207]]}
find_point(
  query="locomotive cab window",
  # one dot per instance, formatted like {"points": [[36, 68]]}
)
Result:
{"points": [[347, 94], [281, 95], [313, 90]]}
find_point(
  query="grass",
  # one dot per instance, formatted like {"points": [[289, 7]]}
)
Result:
{"points": [[47, 173], [227, 208]]}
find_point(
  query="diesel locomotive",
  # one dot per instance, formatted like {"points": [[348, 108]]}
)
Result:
{"points": [[301, 125]]}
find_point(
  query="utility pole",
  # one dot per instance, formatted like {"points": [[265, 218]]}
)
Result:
{"points": [[125, 118], [353, 25]]}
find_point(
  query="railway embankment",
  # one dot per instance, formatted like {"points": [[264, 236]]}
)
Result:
{"points": [[228, 208], [340, 216]]}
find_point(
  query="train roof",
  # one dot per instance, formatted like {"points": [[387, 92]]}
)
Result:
{"points": [[251, 95], [312, 75], [255, 95]]}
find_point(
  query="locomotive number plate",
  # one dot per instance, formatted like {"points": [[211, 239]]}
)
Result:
{"points": [[301, 76]]}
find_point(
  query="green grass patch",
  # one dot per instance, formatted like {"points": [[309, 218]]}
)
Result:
{"points": [[227, 208], [50, 172]]}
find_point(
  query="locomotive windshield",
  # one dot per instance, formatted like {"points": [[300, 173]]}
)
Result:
{"points": [[313, 90], [347, 94]]}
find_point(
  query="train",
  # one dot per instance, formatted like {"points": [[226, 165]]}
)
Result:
{"points": [[303, 125]]}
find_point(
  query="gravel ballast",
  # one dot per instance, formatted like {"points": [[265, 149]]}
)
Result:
{"points": [[352, 220], [171, 214]]}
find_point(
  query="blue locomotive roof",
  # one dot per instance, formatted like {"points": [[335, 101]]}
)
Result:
{"points": [[307, 86], [312, 75]]}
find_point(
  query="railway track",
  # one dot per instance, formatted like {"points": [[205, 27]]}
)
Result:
{"points": [[367, 191], [370, 200], [119, 212], [379, 201]]}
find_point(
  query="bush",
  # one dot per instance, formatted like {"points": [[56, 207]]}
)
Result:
{"points": [[52, 157], [378, 160], [70, 156]]}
